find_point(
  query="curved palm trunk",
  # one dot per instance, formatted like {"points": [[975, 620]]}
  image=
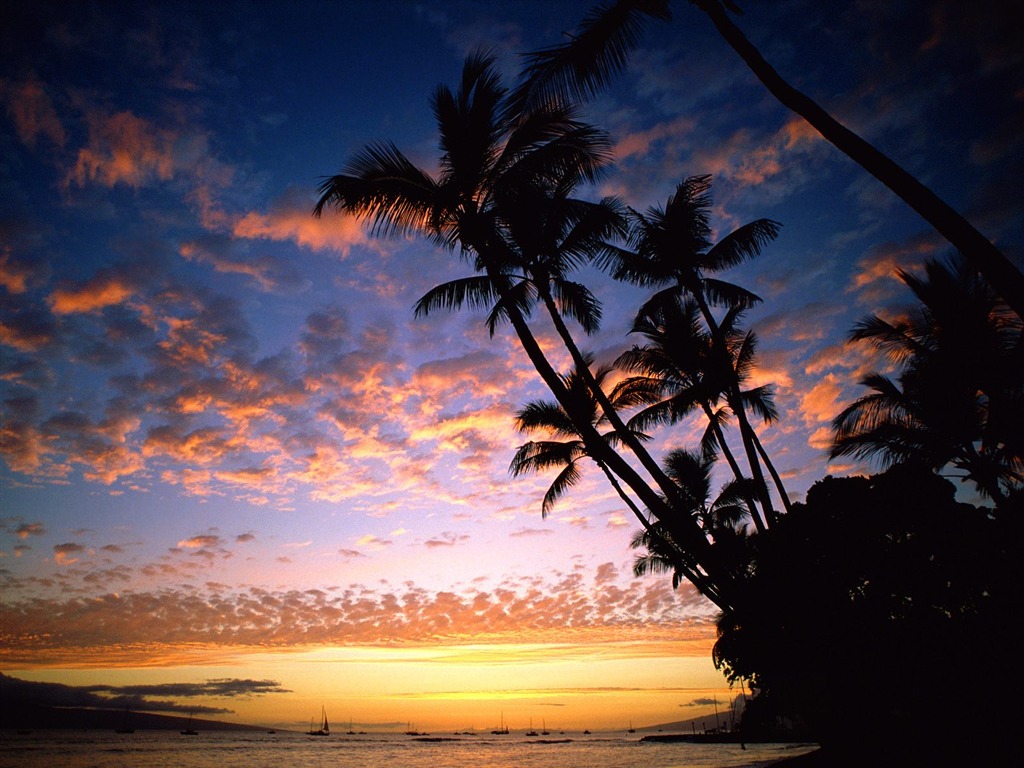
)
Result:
{"points": [[729, 458], [713, 582], [677, 564], [614, 481], [783, 495], [1000, 273], [627, 436]]}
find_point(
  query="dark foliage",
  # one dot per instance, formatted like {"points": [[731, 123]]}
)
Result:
{"points": [[883, 611]]}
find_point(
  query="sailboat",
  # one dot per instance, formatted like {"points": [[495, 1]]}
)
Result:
{"points": [[631, 728], [531, 732], [126, 725], [501, 730], [325, 729], [188, 728], [543, 727]]}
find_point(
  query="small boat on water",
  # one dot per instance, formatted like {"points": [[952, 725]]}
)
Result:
{"points": [[188, 728], [543, 728], [631, 728], [501, 730], [531, 732], [324, 730], [125, 726]]}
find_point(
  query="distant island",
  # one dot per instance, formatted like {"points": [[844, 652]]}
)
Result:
{"points": [[22, 715]]}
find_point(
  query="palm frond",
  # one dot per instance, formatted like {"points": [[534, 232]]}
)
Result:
{"points": [[567, 478], [543, 414], [761, 401], [474, 291], [743, 243], [721, 293], [381, 184], [576, 301], [598, 50]]}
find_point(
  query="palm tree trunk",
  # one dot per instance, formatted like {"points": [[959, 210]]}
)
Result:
{"points": [[736, 403], [677, 563], [713, 583], [729, 458], [1000, 273], [783, 496], [627, 436]]}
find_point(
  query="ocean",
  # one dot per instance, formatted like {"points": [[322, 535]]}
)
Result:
{"points": [[234, 749]]}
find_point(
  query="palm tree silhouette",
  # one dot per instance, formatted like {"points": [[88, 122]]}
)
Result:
{"points": [[495, 160], [672, 245], [723, 518], [959, 396], [612, 30], [679, 371], [568, 452]]}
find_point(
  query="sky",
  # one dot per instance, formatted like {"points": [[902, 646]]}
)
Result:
{"points": [[239, 478]]}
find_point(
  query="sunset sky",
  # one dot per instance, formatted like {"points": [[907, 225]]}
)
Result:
{"points": [[229, 451]]}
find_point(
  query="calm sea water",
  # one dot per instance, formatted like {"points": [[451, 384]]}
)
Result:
{"points": [[168, 749]]}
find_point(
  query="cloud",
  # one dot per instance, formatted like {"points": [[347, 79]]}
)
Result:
{"points": [[291, 220], [141, 698], [446, 539], [152, 624], [65, 554], [200, 542], [32, 110], [25, 530], [29, 330], [14, 275], [105, 290], [123, 148], [270, 273]]}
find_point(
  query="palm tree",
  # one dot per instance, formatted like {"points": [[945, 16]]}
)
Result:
{"points": [[672, 245], [723, 518], [959, 395], [493, 158], [568, 452], [612, 30], [679, 371]]}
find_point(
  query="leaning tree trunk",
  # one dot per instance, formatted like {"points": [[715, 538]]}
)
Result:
{"points": [[1000, 273], [729, 458], [713, 583], [668, 487]]}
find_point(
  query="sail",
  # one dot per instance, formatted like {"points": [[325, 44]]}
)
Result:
{"points": [[326, 728]]}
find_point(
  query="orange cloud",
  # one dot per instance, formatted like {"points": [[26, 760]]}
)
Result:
{"points": [[198, 542], [877, 272], [104, 290], [25, 530], [124, 149], [13, 276], [293, 221], [822, 401], [640, 142], [65, 554]]}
